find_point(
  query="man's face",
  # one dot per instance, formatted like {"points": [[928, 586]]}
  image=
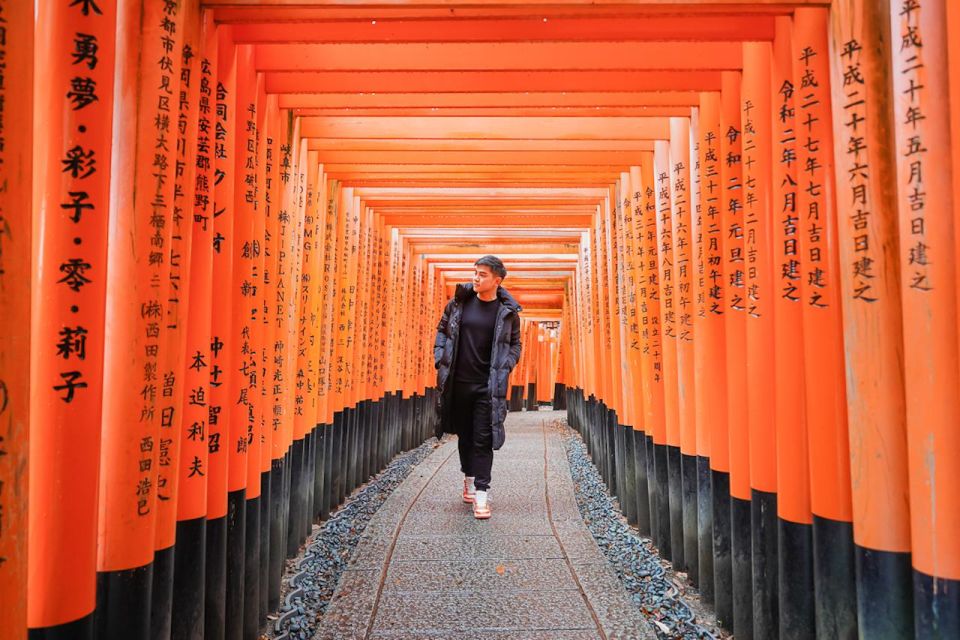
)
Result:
{"points": [[484, 280]]}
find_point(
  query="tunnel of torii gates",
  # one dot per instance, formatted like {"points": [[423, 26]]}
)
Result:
{"points": [[227, 230]]}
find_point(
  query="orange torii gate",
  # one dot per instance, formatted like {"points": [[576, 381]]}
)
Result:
{"points": [[732, 227]]}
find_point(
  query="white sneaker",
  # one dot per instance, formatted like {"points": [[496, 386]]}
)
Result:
{"points": [[469, 492], [481, 506]]}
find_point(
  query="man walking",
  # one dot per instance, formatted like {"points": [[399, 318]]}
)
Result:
{"points": [[477, 346]]}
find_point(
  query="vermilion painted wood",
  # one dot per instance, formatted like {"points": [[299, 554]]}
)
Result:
{"points": [[681, 212], [195, 466], [528, 56], [822, 320], [793, 464], [180, 262], [758, 221], [652, 359], [929, 289], [138, 285], [221, 356], [872, 313], [16, 210], [243, 303], [668, 290], [329, 9], [488, 81], [615, 97], [586, 28]]}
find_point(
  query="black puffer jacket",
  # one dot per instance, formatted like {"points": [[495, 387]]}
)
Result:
{"points": [[505, 355]]}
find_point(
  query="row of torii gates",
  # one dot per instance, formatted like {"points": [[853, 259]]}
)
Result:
{"points": [[227, 229]]}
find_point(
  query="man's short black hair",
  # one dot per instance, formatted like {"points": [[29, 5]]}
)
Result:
{"points": [[495, 264]]}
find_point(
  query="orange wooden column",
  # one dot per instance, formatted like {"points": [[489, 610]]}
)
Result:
{"points": [[316, 287], [350, 301], [594, 332], [304, 408], [341, 417], [306, 170], [928, 253], [378, 338], [873, 333], [392, 383], [220, 402], [758, 221], [544, 373], [288, 228], [601, 293], [362, 321], [795, 533], [350, 351], [736, 613], [267, 120], [683, 264], [177, 304], [612, 267], [273, 354], [629, 358], [952, 13], [238, 428], [670, 455], [653, 379], [626, 292], [324, 412], [615, 401], [638, 344], [710, 375], [138, 285], [594, 386], [250, 114], [325, 348], [354, 357], [71, 182], [826, 403], [195, 443], [16, 167], [605, 409], [583, 319]]}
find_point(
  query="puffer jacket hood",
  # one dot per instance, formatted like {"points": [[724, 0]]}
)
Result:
{"points": [[503, 358]]}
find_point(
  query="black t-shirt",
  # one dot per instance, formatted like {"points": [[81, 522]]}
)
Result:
{"points": [[477, 324]]}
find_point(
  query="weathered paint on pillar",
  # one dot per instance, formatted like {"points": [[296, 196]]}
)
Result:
{"points": [[928, 254], [16, 234], [826, 408], [872, 320]]}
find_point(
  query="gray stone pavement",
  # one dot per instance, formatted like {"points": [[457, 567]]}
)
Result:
{"points": [[426, 568]]}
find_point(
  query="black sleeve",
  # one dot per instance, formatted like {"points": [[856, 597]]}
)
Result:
{"points": [[515, 347], [441, 340]]}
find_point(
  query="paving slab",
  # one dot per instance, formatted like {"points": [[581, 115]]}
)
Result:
{"points": [[426, 568]]}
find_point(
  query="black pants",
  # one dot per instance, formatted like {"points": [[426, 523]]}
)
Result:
{"points": [[471, 415]]}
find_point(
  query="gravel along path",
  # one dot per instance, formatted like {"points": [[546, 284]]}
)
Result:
{"points": [[661, 593], [311, 577], [404, 558]]}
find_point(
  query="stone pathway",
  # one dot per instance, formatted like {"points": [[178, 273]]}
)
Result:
{"points": [[426, 568]]}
